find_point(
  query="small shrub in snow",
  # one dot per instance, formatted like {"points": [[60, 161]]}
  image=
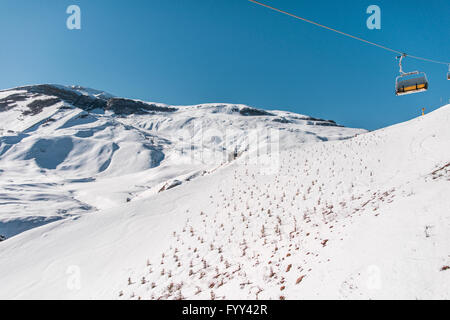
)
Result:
{"points": [[299, 279]]}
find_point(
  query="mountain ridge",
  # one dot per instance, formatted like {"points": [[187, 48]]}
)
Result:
{"points": [[89, 99]]}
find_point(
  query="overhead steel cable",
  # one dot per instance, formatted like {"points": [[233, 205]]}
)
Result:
{"points": [[348, 35]]}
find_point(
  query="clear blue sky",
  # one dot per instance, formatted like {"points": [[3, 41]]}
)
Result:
{"points": [[198, 51]]}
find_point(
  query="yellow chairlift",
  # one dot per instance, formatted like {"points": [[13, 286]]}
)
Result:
{"points": [[410, 82]]}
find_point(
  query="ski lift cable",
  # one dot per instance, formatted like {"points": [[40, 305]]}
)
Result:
{"points": [[349, 35]]}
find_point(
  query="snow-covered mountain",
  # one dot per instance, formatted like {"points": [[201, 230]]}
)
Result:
{"points": [[73, 150], [150, 201]]}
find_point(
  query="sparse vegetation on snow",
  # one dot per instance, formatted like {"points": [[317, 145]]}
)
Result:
{"points": [[364, 217]]}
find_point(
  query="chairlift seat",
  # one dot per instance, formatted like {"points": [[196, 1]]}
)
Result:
{"points": [[405, 84]]}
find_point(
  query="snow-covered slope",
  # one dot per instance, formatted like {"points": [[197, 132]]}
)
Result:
{"points": [[365, 217], [65, 151]]}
